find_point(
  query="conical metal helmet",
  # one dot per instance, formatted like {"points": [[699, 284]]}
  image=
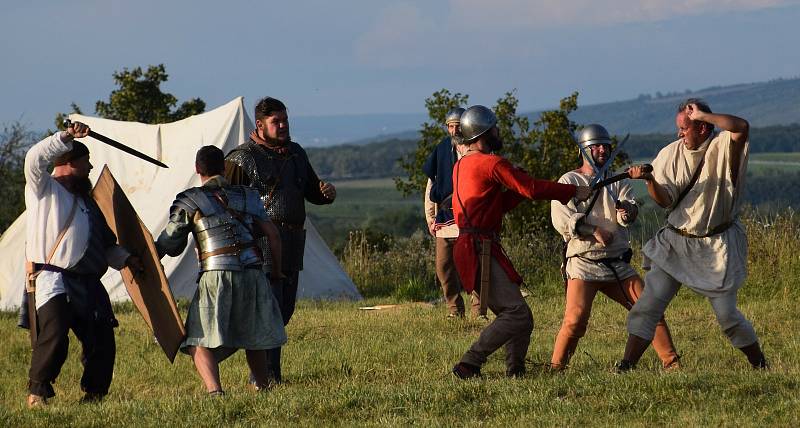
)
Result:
{"points": [[475, 121], [592, 135], [454, 115]]}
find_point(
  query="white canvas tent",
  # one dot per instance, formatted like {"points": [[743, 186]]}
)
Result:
{"points": [[151, 190]]}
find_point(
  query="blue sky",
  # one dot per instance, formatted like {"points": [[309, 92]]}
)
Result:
{"points": [[354, 57]]}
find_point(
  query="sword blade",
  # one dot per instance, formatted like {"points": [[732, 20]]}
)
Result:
{"points": [[126, 149], [618, 177]]}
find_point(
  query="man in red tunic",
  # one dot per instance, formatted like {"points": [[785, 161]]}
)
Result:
{"points": [[486, 186]]}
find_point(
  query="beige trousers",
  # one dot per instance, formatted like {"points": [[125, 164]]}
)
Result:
{"points": [[448, 277], [578, 308]]}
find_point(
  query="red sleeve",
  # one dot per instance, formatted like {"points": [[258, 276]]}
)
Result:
{"points": [[511, 199], [518, 181]]}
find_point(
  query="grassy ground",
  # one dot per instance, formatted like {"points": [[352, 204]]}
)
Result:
{"points": [[346, 367]]}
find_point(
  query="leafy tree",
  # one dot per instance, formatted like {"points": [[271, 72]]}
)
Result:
{"points": [[546, 149], [431, 134], [139, 98], [15, 140]]}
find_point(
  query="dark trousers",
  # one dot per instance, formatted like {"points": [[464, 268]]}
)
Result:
{"points": [[55, 319], [286, 295]]}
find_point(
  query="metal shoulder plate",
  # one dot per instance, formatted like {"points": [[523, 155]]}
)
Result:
{"points": [[198, 197]]}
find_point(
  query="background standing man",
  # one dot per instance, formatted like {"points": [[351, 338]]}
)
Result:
{"points": [[68, 248], [598, 251], [700, 179], [279, 169], [486, 186], [233, 307], [439, 214]]}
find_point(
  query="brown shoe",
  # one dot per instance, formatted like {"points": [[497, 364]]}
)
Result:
{"points": [[36, 401]]}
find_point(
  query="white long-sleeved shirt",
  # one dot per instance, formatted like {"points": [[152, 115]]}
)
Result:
{"points": [[48, 205]]}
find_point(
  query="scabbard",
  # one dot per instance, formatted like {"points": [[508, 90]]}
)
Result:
{"points": [[30, 292], [32, 318], [486, 264]]}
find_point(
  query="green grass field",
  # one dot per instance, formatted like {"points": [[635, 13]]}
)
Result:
{"points": [[349, 367]]}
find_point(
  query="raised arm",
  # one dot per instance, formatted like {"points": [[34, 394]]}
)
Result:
{"points": [[738, 127], [45, 152]]}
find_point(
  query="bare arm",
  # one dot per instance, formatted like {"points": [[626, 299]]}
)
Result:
{"points": [[274, 240], [656, 191]]}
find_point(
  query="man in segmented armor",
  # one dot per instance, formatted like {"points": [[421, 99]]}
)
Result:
{"points": [[233, 307], [279, 169]]}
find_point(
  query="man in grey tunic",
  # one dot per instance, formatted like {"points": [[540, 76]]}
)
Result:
{"points": [[598, 251], [700, 179], [233, 307]]}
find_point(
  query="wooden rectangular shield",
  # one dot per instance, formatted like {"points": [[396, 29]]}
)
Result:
{"points": [[149, 290]]}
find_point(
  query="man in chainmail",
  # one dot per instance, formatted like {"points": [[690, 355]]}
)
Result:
{"points": [[281, 172]]}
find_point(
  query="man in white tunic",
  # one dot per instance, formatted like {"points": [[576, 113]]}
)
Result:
{"points": [[69, 246], [700, 179], [598, 251]]}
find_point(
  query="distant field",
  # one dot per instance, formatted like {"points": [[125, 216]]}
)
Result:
{"points": [[369, 203], [376, 204]]}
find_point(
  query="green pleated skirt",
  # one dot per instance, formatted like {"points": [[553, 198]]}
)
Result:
{"points": [[234, 310]]}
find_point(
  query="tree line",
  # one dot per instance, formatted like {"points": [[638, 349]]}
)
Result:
{"points": [[382, 159]]}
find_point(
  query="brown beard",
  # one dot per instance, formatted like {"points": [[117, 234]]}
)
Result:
{"points": [[81, 186], [276, 145]]}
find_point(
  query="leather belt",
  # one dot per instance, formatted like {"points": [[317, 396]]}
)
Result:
{"points": [[714, 231], [231, 249], [37, 267]]}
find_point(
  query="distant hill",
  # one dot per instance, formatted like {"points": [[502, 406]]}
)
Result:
{"points": [[776, 102], [323, 131]]}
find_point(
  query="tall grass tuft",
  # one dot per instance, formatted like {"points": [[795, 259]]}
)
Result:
{"points": [[385, 266]]}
